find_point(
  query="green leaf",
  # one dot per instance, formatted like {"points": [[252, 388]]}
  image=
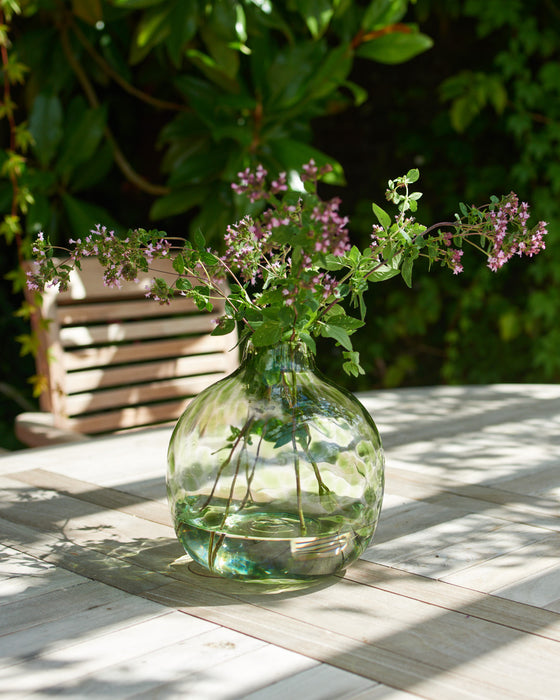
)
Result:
{"points": [[225, 326], [200, 167], [396, 47], [338, 333], [382, 216], [179, 264], [92, 171], [266, 334], [348, 323], [83, 216], [308, 340], [354, 255], [317, 15], [333, 262], [292, 155], [178, 202], [208, 258], [463, 111], [183, 284], [290, 73], [383, 273], [352, 365], [382, 12], [413, 176], [332, 72], [39, 215], [199, 239], [84, 134], [184, 21], [45, 124], [153, 28], [221, 64], [406, 271], [359, 93]]}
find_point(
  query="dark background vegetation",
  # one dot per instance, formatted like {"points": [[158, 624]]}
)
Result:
{"points": [[478, 114]]}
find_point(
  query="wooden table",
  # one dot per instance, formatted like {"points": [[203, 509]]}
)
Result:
{"points": [[459, 596]]}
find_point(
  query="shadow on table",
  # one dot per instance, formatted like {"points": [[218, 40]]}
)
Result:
{"points": [[396, 627]]}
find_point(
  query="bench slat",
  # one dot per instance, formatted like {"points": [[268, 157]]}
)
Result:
{"points": [[118, 332], [89, 402], [86, 358], [136, 373]]}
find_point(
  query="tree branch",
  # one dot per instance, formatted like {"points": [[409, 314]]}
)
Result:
{"points": [[124, 166], [112, 73]]}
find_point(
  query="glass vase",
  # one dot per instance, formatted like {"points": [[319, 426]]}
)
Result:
{"points": [[275, 472]]}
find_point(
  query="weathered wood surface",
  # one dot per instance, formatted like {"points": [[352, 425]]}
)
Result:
{"points": [[459, 596]]}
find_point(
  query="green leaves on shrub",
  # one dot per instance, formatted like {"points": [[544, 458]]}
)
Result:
{"points": [[396, 47], [228, 84]]}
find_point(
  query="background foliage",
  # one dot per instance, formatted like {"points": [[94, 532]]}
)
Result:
{"points": [[140, 112]]}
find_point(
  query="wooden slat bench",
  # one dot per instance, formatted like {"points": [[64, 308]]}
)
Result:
{"points": [[116, 360]]}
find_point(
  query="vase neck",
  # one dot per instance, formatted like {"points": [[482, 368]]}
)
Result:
{"points": [[296, 357]]}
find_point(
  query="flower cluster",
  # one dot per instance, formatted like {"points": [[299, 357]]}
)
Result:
{"points": [[253, 184], [121, 258], [508, 213], [291, 267]]}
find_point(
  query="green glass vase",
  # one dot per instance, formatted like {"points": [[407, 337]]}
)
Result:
{"points": [[275, 472]]}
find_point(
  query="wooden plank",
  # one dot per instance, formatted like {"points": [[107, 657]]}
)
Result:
{"points": [[14, 563], [207, 665], [130, 419], [518, 616], [455, 642], [542, 483], [110, 546], [27, 587], [97, 619], [55, 604], [424, 493], [85, 521], [317, 683], [202, 677], [137, 373], [539, 589], [84, 358], [383, 692], [116, 310], [354, 660], [450, 546], [511, 567], [77, 336], [89, 402], [64, 668], [113, 499], [118, 572]]}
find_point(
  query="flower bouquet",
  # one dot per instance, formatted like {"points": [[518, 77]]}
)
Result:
{"points": [[291, 266], [275, 472]]}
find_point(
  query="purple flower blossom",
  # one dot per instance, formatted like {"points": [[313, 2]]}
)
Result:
{"points": [[455, 261]]}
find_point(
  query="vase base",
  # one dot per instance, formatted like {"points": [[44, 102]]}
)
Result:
{"points": [[254, 586], [270, 549]]}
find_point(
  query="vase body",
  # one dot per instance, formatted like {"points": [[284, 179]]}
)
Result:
{"points": [[275, 472]]}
